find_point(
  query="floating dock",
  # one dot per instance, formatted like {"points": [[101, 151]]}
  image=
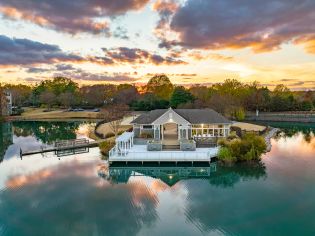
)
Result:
{"points": [[64, 147]]}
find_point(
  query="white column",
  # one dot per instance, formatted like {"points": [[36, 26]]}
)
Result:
{"points": [[125, 148]]}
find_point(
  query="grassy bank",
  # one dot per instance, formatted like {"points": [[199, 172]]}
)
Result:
{"points": [[58, 114]]}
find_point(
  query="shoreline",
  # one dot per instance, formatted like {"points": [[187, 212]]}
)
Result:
{"points": [[53, 119], [299, 117], [39, 114], [271, 134]]}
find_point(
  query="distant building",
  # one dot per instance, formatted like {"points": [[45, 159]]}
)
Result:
{"points": [[6, 103]]}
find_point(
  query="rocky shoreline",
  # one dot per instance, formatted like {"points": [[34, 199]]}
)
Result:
{"points": [[272, 133]]}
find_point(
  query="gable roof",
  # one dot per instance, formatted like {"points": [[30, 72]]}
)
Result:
{"points": [[171, 116], [202, 116], [149, 117], [194, 116]]}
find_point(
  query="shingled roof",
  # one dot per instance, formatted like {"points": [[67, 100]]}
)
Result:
{"points": [[194, 116]]}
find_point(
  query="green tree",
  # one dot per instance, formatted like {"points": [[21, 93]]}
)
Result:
{"points": [[161, 86], [57, 86], [180, 96], [282, 99], [149, 102]]}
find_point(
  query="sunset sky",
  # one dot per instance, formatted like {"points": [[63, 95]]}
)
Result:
{"points": [[192, 41]]}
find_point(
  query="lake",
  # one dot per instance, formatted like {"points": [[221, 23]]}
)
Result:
{"points": [[82, 195]]}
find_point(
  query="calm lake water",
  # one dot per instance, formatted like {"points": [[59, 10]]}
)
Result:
{"points": [[81, 195]]}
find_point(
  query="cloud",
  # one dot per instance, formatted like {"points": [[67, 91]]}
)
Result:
{"points": [[123, 55], [259, 25], [215, 56], [83, 75], [32, 80], [69, 16], [165, 10], [14, 51], [121, 33], [180, 75], [64, 67], [36, 70]]}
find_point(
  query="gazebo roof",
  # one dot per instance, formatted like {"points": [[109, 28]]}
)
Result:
{"points": [[194, 116], [124, 137]]}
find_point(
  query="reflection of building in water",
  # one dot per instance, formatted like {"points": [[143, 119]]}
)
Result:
{"points": [[6, 138], [169, 175]]}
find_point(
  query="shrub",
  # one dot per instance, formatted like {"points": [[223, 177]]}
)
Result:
{"points": [[257, 142], [226, 156], [43, 106], [240, 114], [249, 148], [251, 155], [223, 142], [232, 135], [106, 146]]}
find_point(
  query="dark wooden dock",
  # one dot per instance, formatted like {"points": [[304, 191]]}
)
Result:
{"points": [[64, 147]]}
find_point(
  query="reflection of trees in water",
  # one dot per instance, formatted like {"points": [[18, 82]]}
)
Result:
{"points": [[228, 176], [217, 206], [75, 201], [307, 136], [45, 131], [6, 138], [290, 129]]}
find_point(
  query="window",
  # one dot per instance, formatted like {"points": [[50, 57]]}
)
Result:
{"points": [[147, 127]]}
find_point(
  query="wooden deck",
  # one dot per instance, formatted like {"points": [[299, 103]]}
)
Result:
{"points": [[139, 153]]}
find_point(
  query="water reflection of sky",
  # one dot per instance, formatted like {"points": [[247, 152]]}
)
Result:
{"points": [[67, 196]]}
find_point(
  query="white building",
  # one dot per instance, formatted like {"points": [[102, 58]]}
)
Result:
{"points": [[172, 135]]}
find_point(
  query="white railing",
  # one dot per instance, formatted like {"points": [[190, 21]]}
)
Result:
{"points": [[112, 152], [166, 155]]}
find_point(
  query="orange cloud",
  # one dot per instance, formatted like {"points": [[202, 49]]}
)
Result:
{"points": [[15, 14], [162, 5], [196, 55], [308, 42]]}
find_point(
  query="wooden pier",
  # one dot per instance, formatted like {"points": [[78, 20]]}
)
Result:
{"points": [[64, 147]]}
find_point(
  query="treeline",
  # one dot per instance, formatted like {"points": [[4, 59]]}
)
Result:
{"points": [[231, 97]]}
